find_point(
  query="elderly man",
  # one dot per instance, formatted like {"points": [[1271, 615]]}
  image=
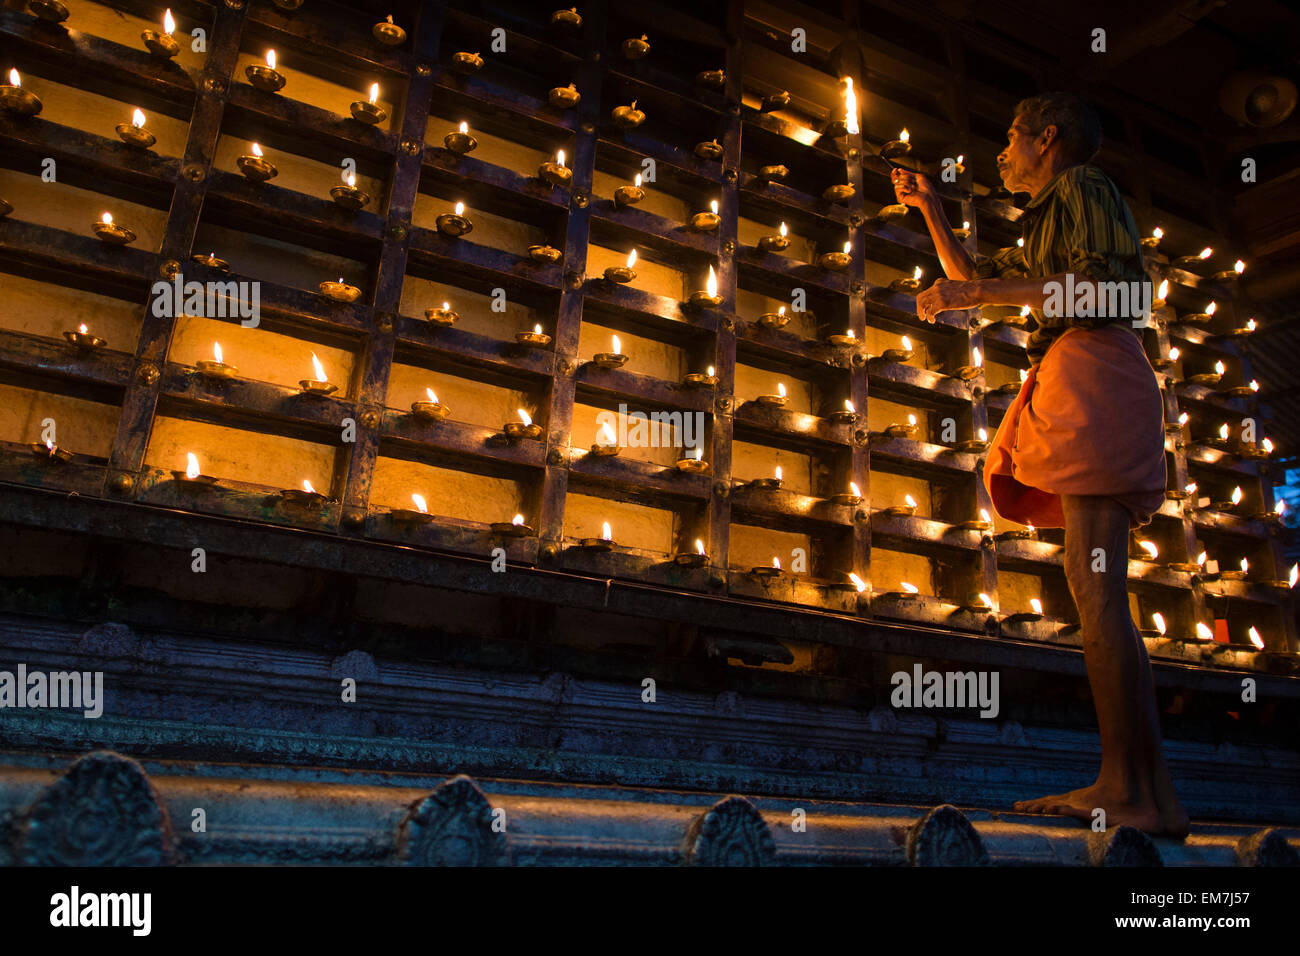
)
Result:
{"points": [[1082, 446]]}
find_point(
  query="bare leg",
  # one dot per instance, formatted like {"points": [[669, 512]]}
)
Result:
{"points": [[1133, 786]]}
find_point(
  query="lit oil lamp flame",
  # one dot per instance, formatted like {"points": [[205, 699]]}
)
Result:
{"points": [[1024, 374], [607, 436], [1150, 548], [352, 179], [257, 150], [916, 273], [460, 209], [559, 158], [907, 344], [1220, 368], [909, 501], [1036, 605], [850, 106], [1158, 233], [848, 247], [1236, 495], [976, 358], [1245, 565], [169, 22], [848, 333], [858, 583], [1205, 253], [1203, 632], [983, 600], [107, 218], [320, 369], [192, 465], [780, 389], [1255, 638], [605, 533], [1267, 445], [712, 285], [854, 490], [1182, 418], [420, 503], [1030, 528], [848, 407], [1223, 431], [1280, 508], [216, 351], [699, 454], [618, 346], [1211, 308], [984, 516], [965, 224], [517, 519], [1254, 385], [781, 311], [713, 205], [270, 59], [710, 372], [137, 118], [984, 434], [909, 588], [1158, 620], [464, 126], [778, 473], [374, 93], [1200, 559], [1250, 325], [1295, 573], [524, 416], [14, 78], [699, 546], [637, 181], [432, 397], [1024, 311], [82, 329], [911, 419], [537, 327], [1021, 242], [1162, 293], [1174, 352], [1239, 267], [631, 259], [784, 231], [776, 562], [904, 136], [306, 486]]}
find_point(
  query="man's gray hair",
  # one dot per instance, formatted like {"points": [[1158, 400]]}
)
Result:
{"points": [[1077, 127]]}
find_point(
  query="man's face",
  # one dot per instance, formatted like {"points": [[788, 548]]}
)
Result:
{"points": [[1023, 157]]}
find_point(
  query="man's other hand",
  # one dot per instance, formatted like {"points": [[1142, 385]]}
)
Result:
{"points": [[944, 295]]}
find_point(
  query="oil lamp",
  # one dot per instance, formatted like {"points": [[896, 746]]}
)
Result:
{"points": [[83, 338], [319, 385], [1256, 452], [1220, 441], [606, 444], [693, 465], [768, 484], [51, 11], [163, 44], [1231, 504], [214, 367], [906, 510], [431, 410], [713, 79], [5, 208], [265, 78], [899, 355], [844, 416], [777, 243], [1203, 632], [1191, 262], [836, 261], [982, 604], [843, 339], [1015, 534], [369, 111], [628, 117], [556, 173], [567, 18], [1148, 550], [629, 195], [1160, 628], [897, 147], [982, 523], [417, 515], [459, 141], [466, 63], [764, 571], [112, 233], [852, 497], [211, 261], [256, 167], [542, 252], [349, 196], [1149, 243], [777, 173], [524, 428], [701, 379], [891, 213], [445, 316], [1236, 574], [635, 49], [1199, 318], [903, 431], [388, 33], [693, 559], [17, 100], [706, 221], [515, 528], [134, 133], [535, 339], [1231, 275], [48, 451], [339, 291], [622, 273], [774, 320], [778, 399], [708, 296], [906, 592], [775, 101], [975, 446], [1246, 329], [1162, 295], [604, 543], [1255, 639], [1035, 613], [454, 223], [838, 192], [192, 475], [964, 232], [305, 496], [711, 150], [968, 372], [909, 285], [1209, 378], [564, 97], [614, 359]]}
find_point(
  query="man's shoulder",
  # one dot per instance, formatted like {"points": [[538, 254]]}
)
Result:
{"points": [[1086, 174]]}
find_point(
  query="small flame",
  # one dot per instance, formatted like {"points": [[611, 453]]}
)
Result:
{"points": [[137, 118], [1200, 559], [907, 344], [965, 224], [984, 516], [1021, 242], [780, 389], [977, 358], [631, 259], [1250, 325], [848, 247], [460, 209], [352, 179], [82, 328], [320, 369], [1205, 253], [983, 600], [848, 407], [781, 311], [1162, 293], [1295, 573], [1158, 233], [192, 466], [432, 397], [909, 588], [420, 503], [904, 136], [1182, 418], [1174, 352], [712, 285], [517, 519], [1254, 385], [524, 416], [1024, 374], [854, 490], [1037, 605], [537, 327], [270, 59], [1223, 431], [169, 22], [257, 150], [984, 434], [713, 205], [776, 562], [850, 106], [374, 93], [1280, 507], [559, 158], [1255, 638], [618, 346], [699, 454], [909, 501], [1219, 368], [637, 182], [216, 350], [916, 273], [1030, 528], [1245, 565], [710, 373], [14, 78], [464, 126], [778, 473], [858, 583], [607, 436], [699, 546], [784, 230], [848, 333], [1239, 267], [911, 419], [1150, 548], [306, 486], [1203, 632], [1236, 495], [1267, 445], [605, 531], [1211, 308], [1190, 487], [107, 218], [1159, 620]]}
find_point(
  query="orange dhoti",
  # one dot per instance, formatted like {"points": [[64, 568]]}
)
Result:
{"points": [[1088, 420]]}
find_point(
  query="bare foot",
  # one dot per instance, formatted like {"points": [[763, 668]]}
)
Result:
{"points": [[1146, 815]]}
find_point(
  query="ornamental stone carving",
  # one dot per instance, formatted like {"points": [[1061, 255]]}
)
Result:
{"points": [[731, 833], [944, 837], [1123, 846], [452, 826]]}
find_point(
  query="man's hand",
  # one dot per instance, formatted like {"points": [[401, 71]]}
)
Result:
{"points": [[944, 296], [912, 189]]}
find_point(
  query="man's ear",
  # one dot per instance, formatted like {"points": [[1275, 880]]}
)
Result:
{"points": [[1048, 136]]}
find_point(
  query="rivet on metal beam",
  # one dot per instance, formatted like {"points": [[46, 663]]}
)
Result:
{"points": [[235, 4], [424, 69], [553, 457], [588, 126], [384, 322], [369, 418], [122, 483], [147, 374], [410, 147], [397, 230], [724, 404], [729, 175], [580, 199], [855, 219], [195, 174], [861, 436], [729, 248], [721, 489], [215, 84], [573, 279], [168, 268]]}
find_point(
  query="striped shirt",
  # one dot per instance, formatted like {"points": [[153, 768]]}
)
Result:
{"points": [[1076, 223]]}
